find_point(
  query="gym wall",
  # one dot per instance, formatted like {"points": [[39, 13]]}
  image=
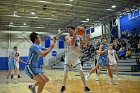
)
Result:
{"points": [[23, 49]]}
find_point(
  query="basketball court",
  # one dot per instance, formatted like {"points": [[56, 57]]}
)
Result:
{"points": [[126, 83], [50, 35]]}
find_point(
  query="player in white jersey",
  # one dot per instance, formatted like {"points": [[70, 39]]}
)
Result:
{"points": [[112, 57], [73, 53], [17, 60]]}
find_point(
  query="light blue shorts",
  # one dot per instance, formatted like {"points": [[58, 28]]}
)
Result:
{"points": [[32, 71], [11, 65], [103, 61]]}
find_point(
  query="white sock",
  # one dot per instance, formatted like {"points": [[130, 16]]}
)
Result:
{"points": [[15, 77]]}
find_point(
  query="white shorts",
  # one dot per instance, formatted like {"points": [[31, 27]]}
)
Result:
{"points": [[72, 61], [114, 62], [17, 65]]}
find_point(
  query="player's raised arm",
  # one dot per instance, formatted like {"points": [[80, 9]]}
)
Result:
{"points": [[84, 42], [47, 51]]}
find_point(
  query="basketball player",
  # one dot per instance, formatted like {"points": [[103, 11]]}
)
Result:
{"points": [[73, 54], [112, 57], [33, 60], [17, 60], [11, 64], [103, 60]]}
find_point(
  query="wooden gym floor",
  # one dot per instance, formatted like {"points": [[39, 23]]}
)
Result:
{"points": [[126, 83]]}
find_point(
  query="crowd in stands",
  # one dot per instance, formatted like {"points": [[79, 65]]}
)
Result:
{"points": [[127, 44], [124, 47]]}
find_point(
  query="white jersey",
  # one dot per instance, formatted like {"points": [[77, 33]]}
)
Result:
{"points": [[73, 53], [111, 55], [16, 60]]}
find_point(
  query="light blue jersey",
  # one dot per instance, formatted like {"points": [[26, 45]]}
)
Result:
{"points": [[104, 47], [33, 57], [11, 64], [33, 61], [11, 56], [103, 59]]}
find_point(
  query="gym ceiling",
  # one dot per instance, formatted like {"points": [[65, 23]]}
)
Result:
{"points": [[47, 16]]}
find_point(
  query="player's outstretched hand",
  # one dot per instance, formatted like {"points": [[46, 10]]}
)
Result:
{"points": [[54, 39]]}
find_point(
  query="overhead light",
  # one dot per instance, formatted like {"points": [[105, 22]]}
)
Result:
{"points": [[44, 2], [33, 13], [67, 4], [16, 16], [16, 26], [13, 15], [70, 0], [28, 32], [11, 23], [87, 19], [109, 9], [113, 6], [24, 24], [40, 27]]}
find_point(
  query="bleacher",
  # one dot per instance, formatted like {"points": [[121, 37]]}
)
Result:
{"points": [[124, 65], [131, 64]]}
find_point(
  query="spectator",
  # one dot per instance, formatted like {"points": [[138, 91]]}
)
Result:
{"points": [[116, 45], [122, 53], [128, 53], [123, 43]]}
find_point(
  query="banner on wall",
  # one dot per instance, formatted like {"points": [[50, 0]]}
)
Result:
{"points": [[60, 43], [130, 21], [90, 30], [87, 31], [47, 41]]}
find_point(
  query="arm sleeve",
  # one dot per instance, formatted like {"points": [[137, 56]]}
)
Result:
{"points": [[43, 48], [37, 48]]}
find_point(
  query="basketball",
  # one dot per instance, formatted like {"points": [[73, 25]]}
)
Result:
{"points": [[81, 31]]}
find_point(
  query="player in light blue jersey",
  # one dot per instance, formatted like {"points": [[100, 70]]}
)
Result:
{"points": [[11, 64], [103, 60], [31, 68]]}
